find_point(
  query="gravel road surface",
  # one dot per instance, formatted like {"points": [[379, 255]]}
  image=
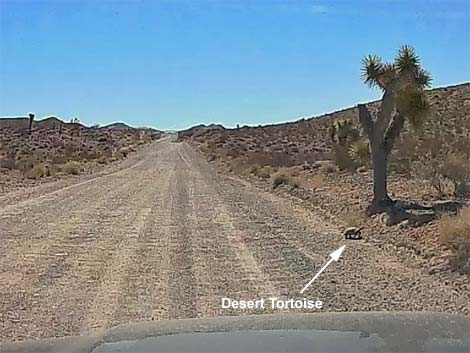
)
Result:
{"points": [[165, 236]]}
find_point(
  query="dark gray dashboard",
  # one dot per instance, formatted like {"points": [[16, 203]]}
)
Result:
{"points": [[317, 332]]}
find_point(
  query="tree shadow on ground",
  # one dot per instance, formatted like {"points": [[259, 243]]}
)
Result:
{"points": [[421, 213]]}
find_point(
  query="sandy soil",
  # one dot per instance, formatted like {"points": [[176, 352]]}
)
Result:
{"points": [[165, 236]]}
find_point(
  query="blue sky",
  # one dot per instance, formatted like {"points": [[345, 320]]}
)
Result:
{"points": [[173, 64]]}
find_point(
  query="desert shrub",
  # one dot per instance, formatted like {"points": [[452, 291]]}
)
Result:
{"points": [[281, 159], [455, 233], [252, 169], [453, 228], [145, 137], [342, 158], [456, 168], [36, 172], [264, 172], [448, 172], [233, 152], [461, 260], [25, 163], [8, 163], [103, 160], [59, 159], [70, 150], [71, 168], [259, 158], [295, 171], [283, 178], [118, 155], [404, 155], [237, 166], [316, 181], [431, 168], [329, 168]]}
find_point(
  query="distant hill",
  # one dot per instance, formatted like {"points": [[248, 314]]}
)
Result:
{"points": [[203, 127], [14, 122], [22, 122], [52, 122], [49, 123], [118, 126]]}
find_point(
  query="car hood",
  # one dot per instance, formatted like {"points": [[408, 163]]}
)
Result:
{"points": [[317, 332]]}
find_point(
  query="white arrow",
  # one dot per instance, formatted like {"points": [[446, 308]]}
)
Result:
{"points": [[334, 257]]}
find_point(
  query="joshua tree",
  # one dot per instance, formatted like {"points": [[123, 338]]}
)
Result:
{"points": [[343, 132], [31, 119], [402, 83]]}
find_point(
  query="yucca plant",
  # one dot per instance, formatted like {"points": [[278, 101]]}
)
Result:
{"points": [[343, 132], [402, 82], [359, 152]]}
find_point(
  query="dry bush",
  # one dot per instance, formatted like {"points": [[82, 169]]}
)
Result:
{"points": [[71, 168], [430, 168], [259, 158], [456, 168], [237, 166], [233, 152], [252, 169], [145, 137], [295, 171], [342, 158], [448, 173], [329, 168], [453, 228], [282, 159], [8, 163], [316, 181], [58, 159], [204, 148], [461, 260], [38, 171], [404, 155], [25, 163], [282, 177], [264, 172], [119, 155], [455, 233]]}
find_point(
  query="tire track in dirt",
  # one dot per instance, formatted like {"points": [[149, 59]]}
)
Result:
{"points": [[145, 295], [286, 264], [46, 265], [115, 275], [113, 299], [230, 269], [182, 282], [58, 288]]}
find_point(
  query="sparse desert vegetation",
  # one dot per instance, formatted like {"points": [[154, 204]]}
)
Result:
{"points": [[455, 232], [33, 151], [429, 164]]}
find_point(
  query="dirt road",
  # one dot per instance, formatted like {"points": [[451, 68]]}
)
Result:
{"points": [[166, 237]]}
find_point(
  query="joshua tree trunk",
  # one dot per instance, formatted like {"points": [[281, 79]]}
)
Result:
{"points": [[31, 119], [381, 200], [382, 135]]}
